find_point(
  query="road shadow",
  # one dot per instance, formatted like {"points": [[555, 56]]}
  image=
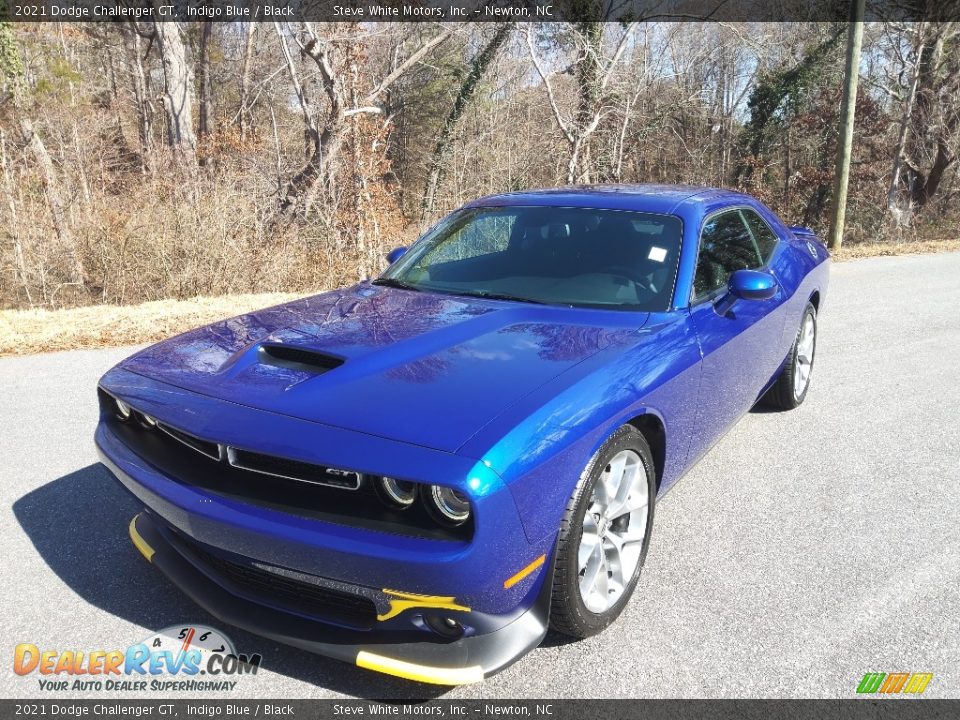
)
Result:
{"points": [[762, 407], [78, 524], [555, 639], [759, 409]]}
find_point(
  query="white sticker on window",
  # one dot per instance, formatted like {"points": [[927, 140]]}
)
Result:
{"points": [[657, 254]]}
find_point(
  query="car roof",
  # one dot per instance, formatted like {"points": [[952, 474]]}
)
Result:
{"points": [[644, 198]]}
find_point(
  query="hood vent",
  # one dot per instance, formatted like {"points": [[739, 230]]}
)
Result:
{"points": [[298, 358]]}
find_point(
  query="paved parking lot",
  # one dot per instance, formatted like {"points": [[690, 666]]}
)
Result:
{"points": [[806, 549]]}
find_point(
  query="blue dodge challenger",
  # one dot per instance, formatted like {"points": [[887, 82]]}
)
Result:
{"points": [[421, 473]]}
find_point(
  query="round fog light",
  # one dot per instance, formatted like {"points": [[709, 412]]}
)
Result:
{"points": [[445, 626], [447, 505], [398, 493]]}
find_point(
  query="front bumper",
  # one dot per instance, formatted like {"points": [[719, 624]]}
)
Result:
{"points": [[492, 585], [407, 654]]}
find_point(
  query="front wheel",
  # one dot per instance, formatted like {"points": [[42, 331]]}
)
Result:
{"points": [[604, 536], [790, 389]]}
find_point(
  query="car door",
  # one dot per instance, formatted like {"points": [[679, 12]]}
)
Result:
{"points": [[738, 341]]}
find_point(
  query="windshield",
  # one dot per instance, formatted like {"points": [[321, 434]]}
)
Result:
{"points": [[560, 256]]}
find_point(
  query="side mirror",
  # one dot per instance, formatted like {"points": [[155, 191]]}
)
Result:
{"points": [[752, 285], [395, 254]]}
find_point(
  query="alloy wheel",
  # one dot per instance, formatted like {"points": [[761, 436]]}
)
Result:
{"points": [[614, 526], [805, 349]]}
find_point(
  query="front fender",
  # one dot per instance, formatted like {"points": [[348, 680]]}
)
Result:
{"points": [[551, 437]]}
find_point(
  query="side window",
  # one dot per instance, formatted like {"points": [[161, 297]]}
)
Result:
{"points": [[725, 246], [762, 234]]}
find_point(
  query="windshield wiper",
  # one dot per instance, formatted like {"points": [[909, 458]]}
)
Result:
{"points": [[503, 296], [394, 283]]}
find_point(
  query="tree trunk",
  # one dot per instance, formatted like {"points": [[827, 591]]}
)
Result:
{"points": [[304, 180], [467, 89], [205, 127], [939, 83], [326, 138], [143, 108], [178, 90], [19, 265], [244, 114], [11, 65], [589, 74], [52, 191], [847, 115], [893, 206]]}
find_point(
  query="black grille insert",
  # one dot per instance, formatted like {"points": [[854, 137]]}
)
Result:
{"points": [[292, 469], [210, 449], [304, 598], [298, 358], [335, 499]]}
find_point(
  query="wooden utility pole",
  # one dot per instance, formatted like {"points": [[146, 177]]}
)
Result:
{"points": [[847, 114]]}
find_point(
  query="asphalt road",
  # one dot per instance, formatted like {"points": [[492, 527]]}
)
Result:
{"points": [[806, 549]]}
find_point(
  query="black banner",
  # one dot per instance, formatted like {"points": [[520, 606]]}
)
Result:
{"points": [[852, 709], [471, 10]]}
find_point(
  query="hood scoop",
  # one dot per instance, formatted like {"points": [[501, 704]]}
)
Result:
{"points": [[298, 358]]}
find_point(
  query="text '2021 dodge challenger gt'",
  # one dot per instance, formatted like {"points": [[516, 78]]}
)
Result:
{"points": [[421, 473]]}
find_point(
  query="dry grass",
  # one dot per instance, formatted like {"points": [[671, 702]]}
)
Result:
{"points": [[23, 332], [914, 247]]}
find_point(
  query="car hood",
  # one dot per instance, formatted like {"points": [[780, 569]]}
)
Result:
{"points": [[422, 368]]}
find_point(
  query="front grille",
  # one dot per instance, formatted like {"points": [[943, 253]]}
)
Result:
{"points": [[210, 449], [292, 469], [315, 492], [303, 598]]}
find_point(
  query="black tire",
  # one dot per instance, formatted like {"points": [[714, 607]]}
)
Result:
{"points": [[783, 394], [568, 613]]}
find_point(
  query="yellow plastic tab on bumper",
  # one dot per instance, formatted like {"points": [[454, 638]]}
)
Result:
{"points": [[420, 673], [139, 542], [400, 601]]}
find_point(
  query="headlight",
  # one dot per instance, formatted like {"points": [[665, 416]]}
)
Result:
{"points": [[123, 410], [446, 505], [148, 421], [397, 493]]}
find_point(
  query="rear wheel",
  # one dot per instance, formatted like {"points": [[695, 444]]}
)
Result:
{"points": [[604, 536], [790, 389]]}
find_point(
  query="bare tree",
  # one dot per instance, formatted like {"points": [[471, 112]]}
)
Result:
{"points": [[478, 69], [178, 90], [375, 121], [593, 72], [55, 201], [930, 146], [326, 133], [19, 265], [244, 112], [11, 64], [143, 107], [894, 205], [205, 125]]}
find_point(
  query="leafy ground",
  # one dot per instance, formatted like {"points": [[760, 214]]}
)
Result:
{"points": [[23, 332]]}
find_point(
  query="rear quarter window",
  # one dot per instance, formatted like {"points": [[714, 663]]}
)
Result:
{"points": [[763, 236]]}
